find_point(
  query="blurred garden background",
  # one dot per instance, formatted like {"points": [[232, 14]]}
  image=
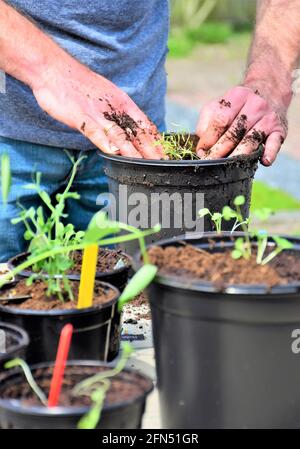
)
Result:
{"points": [[208, 46]]}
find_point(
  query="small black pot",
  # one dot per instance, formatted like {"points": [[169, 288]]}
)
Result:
{"points": [[194, 184], [225, 359], [124, 415], [15, 343], [117, 277], [96, 330]]}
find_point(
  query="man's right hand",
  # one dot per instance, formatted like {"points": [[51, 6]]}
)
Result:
{"points": [[71, 93], [106, 115]]}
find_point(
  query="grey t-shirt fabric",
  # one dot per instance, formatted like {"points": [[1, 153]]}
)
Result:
{"points": [[123, 40]]}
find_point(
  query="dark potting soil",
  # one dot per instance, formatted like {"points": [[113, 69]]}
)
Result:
{"points": [[221, 269], [40, 301], [124, 387], [108, 260]]}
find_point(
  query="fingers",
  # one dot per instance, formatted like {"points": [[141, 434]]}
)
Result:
{"points": [[272, 147], [216, 117], [252, 113], [99, 136]]}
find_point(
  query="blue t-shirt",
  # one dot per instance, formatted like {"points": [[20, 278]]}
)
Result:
{"points": [[123, 40]]}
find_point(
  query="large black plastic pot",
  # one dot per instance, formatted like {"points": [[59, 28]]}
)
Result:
{"points": [[123, 415], [96, 330], [226, 359], [13, 342], [171, 193], [117, 277]]}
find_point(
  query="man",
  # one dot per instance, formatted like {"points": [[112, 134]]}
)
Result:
{"points": [[68, 65]]}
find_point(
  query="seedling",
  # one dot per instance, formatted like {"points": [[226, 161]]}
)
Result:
{"points": [[5, 177], [243, 245], [99, 232], [178, 146], [52, 243], [95, 387]]}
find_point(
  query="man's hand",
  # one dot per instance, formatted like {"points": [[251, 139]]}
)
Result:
{"points": [[81, 99], [238, 123], [255, 112], [71, 93]]}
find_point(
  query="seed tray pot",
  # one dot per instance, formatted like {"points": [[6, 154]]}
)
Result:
{"points": [[96, 330], [226, 358], [123, 414], [139, 186]]}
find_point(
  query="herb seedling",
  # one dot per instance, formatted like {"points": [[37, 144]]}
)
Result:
{"points": [[178, 146], [243, 245], [103, 232], [52, 243], [95, 387]]}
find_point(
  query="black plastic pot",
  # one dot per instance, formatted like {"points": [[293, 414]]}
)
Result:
{"points": [[14, 415], [15, 341], [226, 359], [193, 184], [117, 277], [96, 330]]}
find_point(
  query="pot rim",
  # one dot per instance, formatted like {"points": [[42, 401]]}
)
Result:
{"points": [[15, 406], [74, 277], [255, 290], [65, 312], [22, 344], [166, 163]]}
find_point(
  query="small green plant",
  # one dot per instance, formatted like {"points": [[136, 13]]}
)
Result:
{"points": [[103, 232], [243, 246], [94, 387], [178, 146], [5, 177], [17, 362], [52, 243]]}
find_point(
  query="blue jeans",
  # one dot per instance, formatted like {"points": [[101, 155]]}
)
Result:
{"points": [[26, 159]]}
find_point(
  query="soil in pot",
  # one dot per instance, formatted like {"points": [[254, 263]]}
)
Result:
{"points": [[123, 407], [220, 268], [40, 301], [113, 266], [108, 260], [172, 192], [225, 357], [96, 329]]}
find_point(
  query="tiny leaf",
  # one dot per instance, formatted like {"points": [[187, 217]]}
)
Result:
{"points": [[239, 200]]}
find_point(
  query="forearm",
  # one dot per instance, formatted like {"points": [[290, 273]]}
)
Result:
{"points": [[275, 50], [27, 53]]}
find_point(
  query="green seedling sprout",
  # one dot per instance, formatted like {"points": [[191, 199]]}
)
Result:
{"points": [[14, 363], [94, 387], [178, 146], [243, 244], [52, 243], [5, 177], [98, 232], [215, 217]]}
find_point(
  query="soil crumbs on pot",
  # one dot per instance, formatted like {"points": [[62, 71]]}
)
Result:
{"points": [[124, 387], [108, 260], [39, 300], [221, 269]]}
